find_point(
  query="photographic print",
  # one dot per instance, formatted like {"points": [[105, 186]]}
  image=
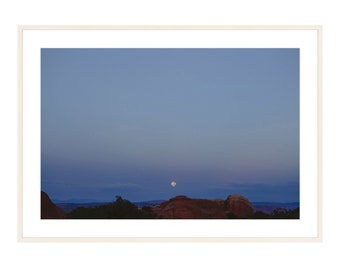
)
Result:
{"points": [[170, 133], [181, 133]]}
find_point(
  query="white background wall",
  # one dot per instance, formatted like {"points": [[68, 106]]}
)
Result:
{"points": [[164, 255]]}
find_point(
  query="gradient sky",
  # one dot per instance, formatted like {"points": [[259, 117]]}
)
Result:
{"points": [[129, 121]]}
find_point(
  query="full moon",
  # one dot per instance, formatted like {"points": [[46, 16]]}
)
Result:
{"points": [[173, 184]]}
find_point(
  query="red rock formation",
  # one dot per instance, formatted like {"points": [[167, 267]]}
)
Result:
{"points": [[48, 209], [239, 206], [182, 207]]}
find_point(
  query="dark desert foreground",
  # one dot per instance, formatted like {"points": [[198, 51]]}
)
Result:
{"points": [[235, 206]]}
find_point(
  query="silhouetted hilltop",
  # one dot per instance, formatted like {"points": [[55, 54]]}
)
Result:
{"points": [[67, 207], [120, 209]]}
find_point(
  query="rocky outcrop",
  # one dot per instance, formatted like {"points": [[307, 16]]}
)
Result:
{"points": [[49, 210], [182, 207], [238, 206]]}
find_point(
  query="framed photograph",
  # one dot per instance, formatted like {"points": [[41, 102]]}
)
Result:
{"points": [[169, 133]]}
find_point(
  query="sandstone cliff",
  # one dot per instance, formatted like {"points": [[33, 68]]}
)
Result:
{"points": [[48, 209], [238, 206], [182, 207]]}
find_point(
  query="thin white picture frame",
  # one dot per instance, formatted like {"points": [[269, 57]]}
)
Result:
{"points": [[31, 38]]}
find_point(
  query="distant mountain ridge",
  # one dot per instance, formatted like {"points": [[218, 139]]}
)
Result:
{"points": [[78, 201], [268, 207]]}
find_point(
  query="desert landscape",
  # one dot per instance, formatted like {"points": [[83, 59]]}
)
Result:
{"points": [[235, 206]]}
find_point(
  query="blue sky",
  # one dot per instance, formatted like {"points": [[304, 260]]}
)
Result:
{"points": [[129, 121]]}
